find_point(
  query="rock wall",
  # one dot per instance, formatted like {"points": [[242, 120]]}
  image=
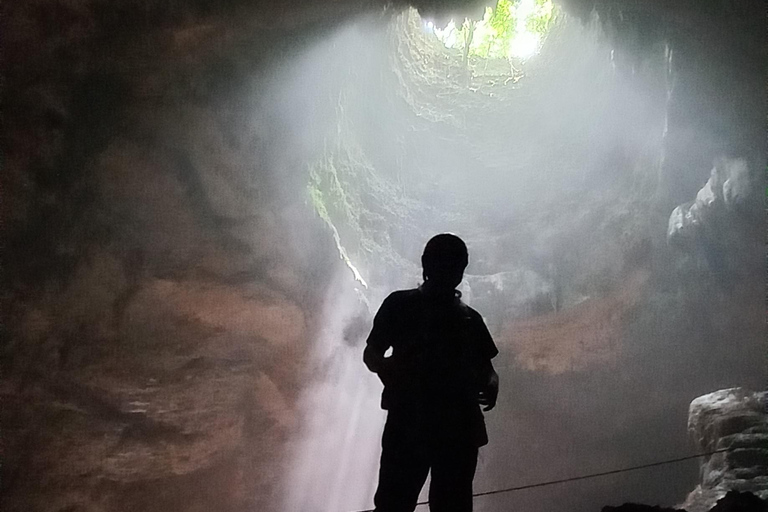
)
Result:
{"points": [[159, 293]]}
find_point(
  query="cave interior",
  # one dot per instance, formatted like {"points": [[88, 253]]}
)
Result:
{"points": [[204, 205]]}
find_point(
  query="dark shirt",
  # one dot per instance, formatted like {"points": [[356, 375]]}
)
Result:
{"points": [[440, 347]]}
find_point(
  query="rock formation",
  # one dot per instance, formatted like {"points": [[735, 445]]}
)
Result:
{"points": [[734, 420], [733, 423], [733, 501]]}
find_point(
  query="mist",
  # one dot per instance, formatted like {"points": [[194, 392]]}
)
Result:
{"points": [[556, 183]]}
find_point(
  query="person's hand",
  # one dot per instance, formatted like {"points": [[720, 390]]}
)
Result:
{"points": [[388, 372], [487, 397]]}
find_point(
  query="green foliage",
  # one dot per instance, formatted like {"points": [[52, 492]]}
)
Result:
{"points": [[494, 36], [502, 23], [494, 32], [541, 19]]}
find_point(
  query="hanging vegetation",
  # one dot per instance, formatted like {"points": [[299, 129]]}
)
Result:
{"points": [[513, 29]]}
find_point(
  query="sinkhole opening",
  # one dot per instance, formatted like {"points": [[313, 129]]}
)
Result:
{"points": [[446, 128], [512, 30]]}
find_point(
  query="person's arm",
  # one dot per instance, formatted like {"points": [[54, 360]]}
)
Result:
{"points": [[379, 340], [489, 379], [490, 392], [373, 357]]}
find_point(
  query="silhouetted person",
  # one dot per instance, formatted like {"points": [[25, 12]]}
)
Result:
{"points": [[435, 380]]}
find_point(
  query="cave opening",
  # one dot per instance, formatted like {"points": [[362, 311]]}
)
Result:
{"points": [[508, 30], [474, 148]]}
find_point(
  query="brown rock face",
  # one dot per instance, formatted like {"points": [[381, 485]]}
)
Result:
{"points": [[160, 315], [585, 335]]}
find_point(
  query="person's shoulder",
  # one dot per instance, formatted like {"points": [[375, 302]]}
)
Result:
{"points": [[398, 301], [474, 315], [483, 335], [402, 296], [471, 312]]}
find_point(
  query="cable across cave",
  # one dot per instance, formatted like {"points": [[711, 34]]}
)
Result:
{"points": [[585, 477]]}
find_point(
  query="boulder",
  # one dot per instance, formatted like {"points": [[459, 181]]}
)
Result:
{"points": [[736, 501], [734, 420]]}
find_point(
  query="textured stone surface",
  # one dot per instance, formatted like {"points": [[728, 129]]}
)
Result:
{"points": [[728, 196], [735, 420]]}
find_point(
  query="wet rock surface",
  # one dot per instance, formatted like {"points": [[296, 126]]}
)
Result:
{"points": [[726, 208], [736, 421]]}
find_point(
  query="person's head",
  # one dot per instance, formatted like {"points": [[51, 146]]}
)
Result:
{"points": [[444, 260]]}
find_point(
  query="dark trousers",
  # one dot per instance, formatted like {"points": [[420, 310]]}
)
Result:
{"points": [[409, 451]]}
